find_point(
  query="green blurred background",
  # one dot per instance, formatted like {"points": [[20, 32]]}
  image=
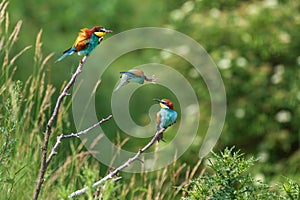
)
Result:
{"points": [[255, 44]]}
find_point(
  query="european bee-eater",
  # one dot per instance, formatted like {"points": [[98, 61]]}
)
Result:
{"points": [[134, 75], [86, 41], [166, 116]]}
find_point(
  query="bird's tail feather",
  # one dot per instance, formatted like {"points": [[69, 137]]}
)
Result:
{"points": [[60, 58], [66, 53]]}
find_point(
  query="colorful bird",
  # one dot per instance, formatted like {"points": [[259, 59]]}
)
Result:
{"points": [[166, 116], [86, 41], [134, 75]]}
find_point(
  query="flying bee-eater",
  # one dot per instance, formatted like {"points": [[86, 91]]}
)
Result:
{"points": [[86, 41], [166, 116], [134, 75]]}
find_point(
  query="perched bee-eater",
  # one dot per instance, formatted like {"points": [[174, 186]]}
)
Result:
{"points": [[86, 41], [134, 75], [166, 116]]}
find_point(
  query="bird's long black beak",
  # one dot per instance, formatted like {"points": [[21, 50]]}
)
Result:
{"points": [[107, 31], [158, 100]]}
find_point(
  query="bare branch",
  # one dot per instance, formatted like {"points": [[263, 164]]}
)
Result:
{"points": [[62, 136], [123, 166], [47, 134]]}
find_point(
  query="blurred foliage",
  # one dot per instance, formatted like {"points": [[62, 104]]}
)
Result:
{"points": [[257, 49], [255, 44]]}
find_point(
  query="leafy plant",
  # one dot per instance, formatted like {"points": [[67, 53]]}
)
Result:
{"points": [[291, 189], [230, 180]]}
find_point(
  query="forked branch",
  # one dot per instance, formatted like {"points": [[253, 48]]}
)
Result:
{"points": [[44, 163], [62, 136], [123, 166]]}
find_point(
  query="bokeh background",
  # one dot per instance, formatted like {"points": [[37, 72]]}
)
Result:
{"points": [[255, 44]]}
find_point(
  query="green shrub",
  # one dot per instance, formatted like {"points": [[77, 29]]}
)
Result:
{"points": [[291, 189], [230, 180]]}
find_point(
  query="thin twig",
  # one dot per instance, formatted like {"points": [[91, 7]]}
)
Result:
{"points": [[47, 134], [123, 166], [62, 136]]}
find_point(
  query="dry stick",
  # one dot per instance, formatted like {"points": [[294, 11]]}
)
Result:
{"points": [[44, 163], [117, 170], [62, 136]]}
